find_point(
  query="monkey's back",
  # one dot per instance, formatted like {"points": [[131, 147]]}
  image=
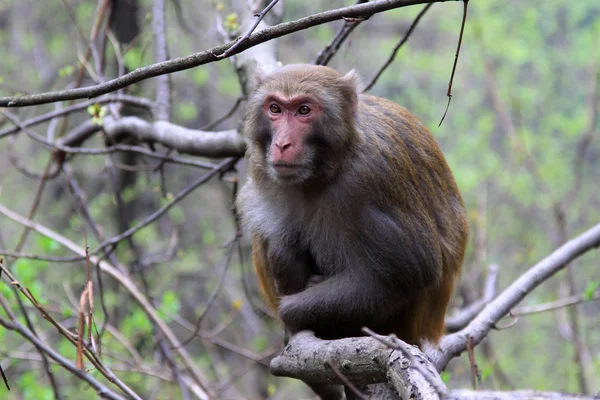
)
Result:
{"points": [[424, 189]]}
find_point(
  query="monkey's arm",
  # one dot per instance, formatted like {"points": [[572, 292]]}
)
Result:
{"points": [[281, 269], [263, 272], [388, 266]]}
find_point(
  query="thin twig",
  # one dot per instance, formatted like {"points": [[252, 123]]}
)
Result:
{"points": [[101, 390], [475, 374], [4, 378], [219, 168], [333, 46], [554, 305], [398, 46], [462, 29], [210, 126], [246, 37], [346, 381], [211, 298]]}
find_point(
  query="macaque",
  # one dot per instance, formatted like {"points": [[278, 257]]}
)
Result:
{"points": [[355, 217]]}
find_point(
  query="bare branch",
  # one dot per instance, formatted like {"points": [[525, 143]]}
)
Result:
{"points": [[334, 45], [553, 305], [240, 41], [460, 37], [131, 100], [466, 315], [398, 46], [101, 390], [189, 141], [454, 344], [211, 55]]}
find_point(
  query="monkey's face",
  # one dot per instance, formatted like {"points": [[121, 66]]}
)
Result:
{"points": [[288, 138], [300, 122]]}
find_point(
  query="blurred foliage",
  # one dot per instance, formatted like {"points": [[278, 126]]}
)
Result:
{"points": [[520, 112]]}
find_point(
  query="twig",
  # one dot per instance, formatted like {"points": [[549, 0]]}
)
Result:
{"points": [[462, 29], [57, 259], [553, 305], [212, 125], [346, 381], [463, 317], [211, 298], [219, 168], [101, 390], [246, 37], [333, 46], [475, 374], [4, 378], [398, 46]]}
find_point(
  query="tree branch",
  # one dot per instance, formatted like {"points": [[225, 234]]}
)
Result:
{"points": [[211, 55], [454, 344]]}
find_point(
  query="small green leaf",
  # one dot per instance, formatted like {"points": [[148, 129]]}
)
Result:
{"points": [[66, 71], [590, 289], [200, 76], [231, 22], [445, 375], [133, 58]]}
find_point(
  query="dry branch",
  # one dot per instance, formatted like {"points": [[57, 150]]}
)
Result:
{"points": [[211, 55]]}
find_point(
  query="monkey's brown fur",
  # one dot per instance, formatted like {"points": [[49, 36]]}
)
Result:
{"points": [[369, 228]]}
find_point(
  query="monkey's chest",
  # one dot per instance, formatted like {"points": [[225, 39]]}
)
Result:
{"points": [[324, 234]]}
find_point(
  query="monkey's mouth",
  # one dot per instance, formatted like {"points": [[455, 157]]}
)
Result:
{"points": [[286, 168], [287, 171]]}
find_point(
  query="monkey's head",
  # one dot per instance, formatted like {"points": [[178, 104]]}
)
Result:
{"points": [[300, 122]]}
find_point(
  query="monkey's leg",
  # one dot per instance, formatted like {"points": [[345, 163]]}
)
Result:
{"points": [[341, 305]]}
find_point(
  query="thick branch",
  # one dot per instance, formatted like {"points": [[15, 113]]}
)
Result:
{"points": [[189, 141], [211, 55]]}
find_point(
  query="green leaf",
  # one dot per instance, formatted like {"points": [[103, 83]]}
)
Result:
{"points": [[200, 76], [186, 112], [133, 58], [590, 289], [66, 71], [170, 304], [445, 375]]}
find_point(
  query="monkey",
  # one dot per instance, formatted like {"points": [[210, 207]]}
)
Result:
{"points": [[355, 217]]}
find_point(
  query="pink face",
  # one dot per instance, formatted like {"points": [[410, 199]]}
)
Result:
{"points": [[291, 121]]}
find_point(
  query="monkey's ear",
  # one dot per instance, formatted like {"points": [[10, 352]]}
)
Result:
{"points": [[258, 78], [353, 84]]}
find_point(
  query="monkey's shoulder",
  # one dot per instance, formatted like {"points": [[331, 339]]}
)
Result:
{"points": [[387, 127]]}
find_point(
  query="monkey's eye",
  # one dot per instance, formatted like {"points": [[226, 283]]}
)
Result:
{"points": [[274, 108], [304, 110]]}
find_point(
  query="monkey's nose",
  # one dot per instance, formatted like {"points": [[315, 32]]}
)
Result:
{"points": [[283, 147]]}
